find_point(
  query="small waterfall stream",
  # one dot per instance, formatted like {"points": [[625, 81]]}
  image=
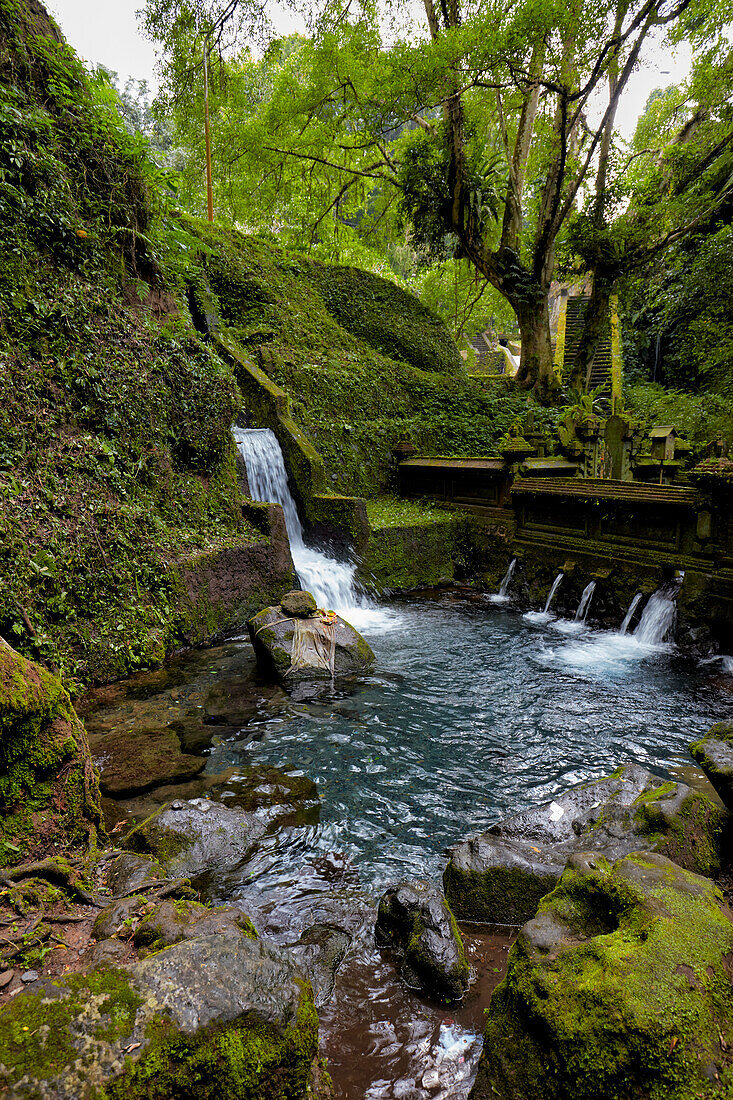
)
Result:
{"points": [[585, 600], [630, 613], [330, 581], [555, 585], [659, 616]]}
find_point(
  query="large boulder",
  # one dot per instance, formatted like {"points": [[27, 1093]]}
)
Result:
{"points": [[499, 876], [714, 754], [619, 987], [188, 838], [49, 796], [221, 1015], [416, 922], [296, 643]]}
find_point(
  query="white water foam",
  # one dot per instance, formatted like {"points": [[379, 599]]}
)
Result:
{"points": [[330, 581], [659, 617]]}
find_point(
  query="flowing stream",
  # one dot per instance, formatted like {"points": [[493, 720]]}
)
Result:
{"points": [[329, 580], [471, 714]]}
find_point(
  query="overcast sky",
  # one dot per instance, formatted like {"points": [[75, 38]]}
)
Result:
{"points": [[106, 32]]}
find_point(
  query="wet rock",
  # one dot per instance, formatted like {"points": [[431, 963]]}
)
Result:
{"points": [[499, 876], [714, 754], [619, 987], [172, 922], [132, 761], [29, 976], [319, 953], [221, 1015], [297, 650], [111, 951], [117, 918], [128, 872], [300, 604], [268, 791], [415, 920], [203, 835]]}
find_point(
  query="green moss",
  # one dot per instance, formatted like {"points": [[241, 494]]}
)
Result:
{"points": [[632, 1004], [247, 1061], [35, 1036], [497, 894], [149, 838]]}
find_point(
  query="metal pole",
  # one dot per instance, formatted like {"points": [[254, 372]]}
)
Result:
{"points": [[209, 186]]}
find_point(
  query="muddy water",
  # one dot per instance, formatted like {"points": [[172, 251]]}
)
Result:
{"points": [[473, 713]]}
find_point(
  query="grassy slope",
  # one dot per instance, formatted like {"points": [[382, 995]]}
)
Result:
{"points": [[115, 455], [364, 362]]}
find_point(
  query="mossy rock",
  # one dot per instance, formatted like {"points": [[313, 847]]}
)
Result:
{"points": [[714, 754], [298, 604], [218, 1015], [188, 838], [499, 876], [619, 988], [49, 796], [174, 921], [274, 640], [415, 920]]}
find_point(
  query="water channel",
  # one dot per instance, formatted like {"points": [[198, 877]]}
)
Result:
{"points": [[473, 713]]}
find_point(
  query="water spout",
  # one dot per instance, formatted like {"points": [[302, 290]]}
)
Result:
{"points": [[630, 613], [660, 615], [584, 605], [555, 585], [330, 581], [503, 594]]}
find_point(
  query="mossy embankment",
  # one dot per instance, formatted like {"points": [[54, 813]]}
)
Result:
{"points": [[363, 362], [117, 470]]}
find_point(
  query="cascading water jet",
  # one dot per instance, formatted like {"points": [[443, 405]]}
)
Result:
{"points": [[502, 595], [555, 585], [585, 600], [630, 613]]}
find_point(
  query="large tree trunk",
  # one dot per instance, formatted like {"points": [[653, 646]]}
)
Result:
{"points": [[536, 367]]}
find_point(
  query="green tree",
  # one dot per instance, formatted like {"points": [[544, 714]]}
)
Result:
{"points": [[673, 192], [478, 130]]}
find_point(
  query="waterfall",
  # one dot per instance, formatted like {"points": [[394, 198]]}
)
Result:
{"points": [[584, 605], [630, 613], [553, 590], [330, 581], [658, 620]]}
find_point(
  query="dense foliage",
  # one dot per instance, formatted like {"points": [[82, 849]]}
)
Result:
{"points": [[99, 489], [472, 127]]}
